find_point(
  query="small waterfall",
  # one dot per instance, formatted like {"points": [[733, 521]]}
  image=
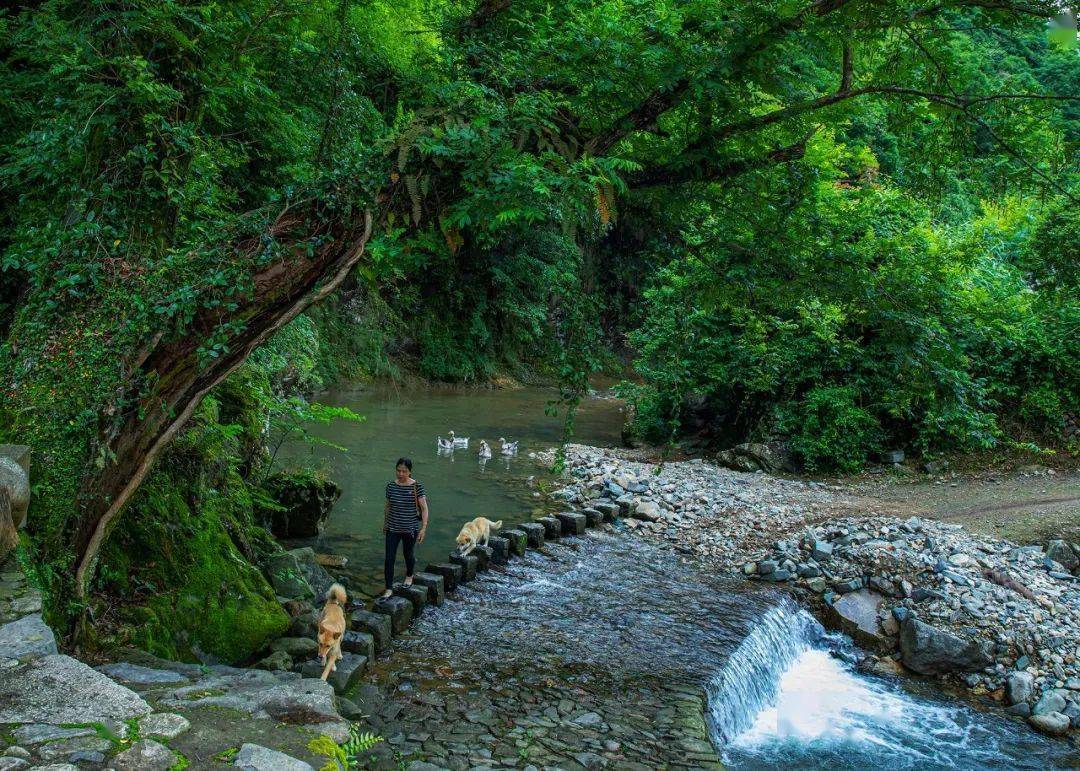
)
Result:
{"points": [[750, 679]]}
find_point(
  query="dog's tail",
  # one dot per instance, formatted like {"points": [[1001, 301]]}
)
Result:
{"points": [[336, 592], [496, 525]]}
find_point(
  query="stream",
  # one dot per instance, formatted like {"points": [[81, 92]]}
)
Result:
{"points": [[593, 650]]}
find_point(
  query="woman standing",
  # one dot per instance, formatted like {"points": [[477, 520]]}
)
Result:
{"points": [[405, 520]]}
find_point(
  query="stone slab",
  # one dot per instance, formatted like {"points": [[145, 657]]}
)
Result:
{"points": [[26, 638], [253, 757], [434, 583], [535, 534], [468, 565], [361, 643], [378, 625], [517, 540], [593, 517], [552, 528], [572, 522], [417, 595], [398, 609], [450, 572], [500, 550], [59, 690], [483, 557], [350, 668]]}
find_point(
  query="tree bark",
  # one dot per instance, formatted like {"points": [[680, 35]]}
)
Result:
{"points": [[172, 376]]}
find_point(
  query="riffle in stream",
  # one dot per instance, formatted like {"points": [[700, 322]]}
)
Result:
{"points": [[610, 651]]}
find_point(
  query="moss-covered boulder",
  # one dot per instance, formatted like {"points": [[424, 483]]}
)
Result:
{"points": [[299, 503]]}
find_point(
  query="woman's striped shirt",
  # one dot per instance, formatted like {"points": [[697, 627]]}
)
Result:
{"points": [[404, 516]]}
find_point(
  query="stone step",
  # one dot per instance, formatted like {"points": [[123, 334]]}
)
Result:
{"points": [[534, 533], [361, 643], [517, 540], [451, 573], [572, 522], [468, 565], [417, 595], [350, 668], [593, 517], [483, 557], [434, 583], [377, 625], [552, 528], [398, 609], [500, 550]]}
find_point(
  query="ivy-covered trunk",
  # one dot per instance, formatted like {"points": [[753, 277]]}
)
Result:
{"points": [[170, 377]]}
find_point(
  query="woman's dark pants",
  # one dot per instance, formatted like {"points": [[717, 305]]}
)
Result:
{"points": [[408, 545]]}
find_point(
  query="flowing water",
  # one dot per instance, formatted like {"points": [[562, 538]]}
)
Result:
{"points": [[624, 626]]}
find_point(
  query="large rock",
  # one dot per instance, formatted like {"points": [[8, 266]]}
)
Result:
{"points": [[253, 757], [931, 651], [59, 690], [435, 584], [647, 511], [1050, 723], [281, 696], [361, 643], [1051, 701], [517, 539], [450, 572], [469, 563], [856, 614], [1060, 551], [167, 725], [27, 638], [572, 522], [536, 532], [145, 755], [305, 502], [552, 527], [297, 575], [296, 647], [1019, 686], [754, 456], [417, 595]]}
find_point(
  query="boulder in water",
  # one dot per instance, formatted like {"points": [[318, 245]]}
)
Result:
{"points": [[1051, 701], [1019, 686], [931, 651], [856, 614], [1050, 723]]}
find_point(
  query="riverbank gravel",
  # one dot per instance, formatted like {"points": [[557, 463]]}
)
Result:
{"points": [[1002, 619]]}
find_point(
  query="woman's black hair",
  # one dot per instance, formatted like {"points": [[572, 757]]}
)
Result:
{"points": [[406, 462]]}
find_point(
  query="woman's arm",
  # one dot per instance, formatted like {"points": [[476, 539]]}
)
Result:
{"points": [[422, 500], [386, 516]]}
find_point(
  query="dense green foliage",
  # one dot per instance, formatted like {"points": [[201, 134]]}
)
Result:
{"points": [[843, 222]]}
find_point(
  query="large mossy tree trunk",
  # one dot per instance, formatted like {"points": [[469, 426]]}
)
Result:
{"points": [[170, 377]]}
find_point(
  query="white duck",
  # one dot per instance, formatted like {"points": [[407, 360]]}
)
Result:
{"points": [[459, 441], [507, 448], [445, 444], [485, 450]]}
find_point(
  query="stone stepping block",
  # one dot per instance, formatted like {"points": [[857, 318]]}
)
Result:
{"points": [[350, 668], [451, 573], [572, 522], [593, 517], [607, 508], [483, 557], [361, 643], [500, 550], [552, 528], [375, 624], [534, 533], [468, 564], [417, 595], [398, 609], [434, 583], [517, 540]]}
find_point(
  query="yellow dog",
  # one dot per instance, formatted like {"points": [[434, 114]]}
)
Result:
{"points": [[473, 532]]}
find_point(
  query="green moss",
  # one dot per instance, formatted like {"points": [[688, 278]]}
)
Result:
{"points": [[185, 559]]}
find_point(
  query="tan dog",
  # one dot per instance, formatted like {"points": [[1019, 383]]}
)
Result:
{"points": [[473, 531], [331, 628]]}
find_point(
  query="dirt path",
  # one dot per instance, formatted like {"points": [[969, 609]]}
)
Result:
{"points": [[1025, 507]]}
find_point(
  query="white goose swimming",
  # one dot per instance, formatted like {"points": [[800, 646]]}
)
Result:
{"points": [[459, 441], [485, 451], [507, 448], [444, 444]]}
